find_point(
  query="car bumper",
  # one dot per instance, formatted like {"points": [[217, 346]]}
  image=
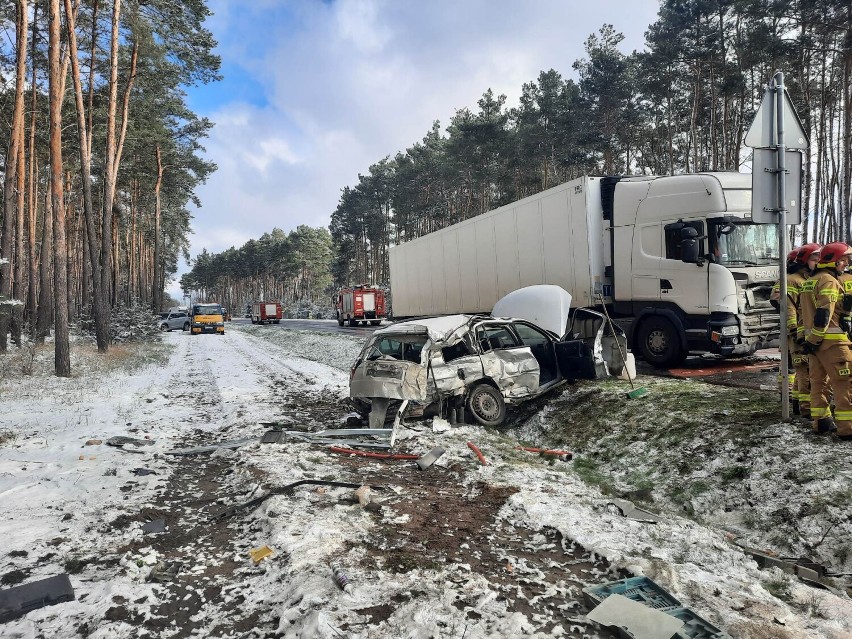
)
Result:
{"points": [[207, 328]]}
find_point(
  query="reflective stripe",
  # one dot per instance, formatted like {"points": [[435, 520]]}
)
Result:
{"points": [[843, 415], [808, 286], [836, 336], [847, 285], [819, 411], [817, 332]]}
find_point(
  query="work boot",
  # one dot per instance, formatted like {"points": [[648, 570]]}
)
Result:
{"points": [[796, 407], [824, 426]]}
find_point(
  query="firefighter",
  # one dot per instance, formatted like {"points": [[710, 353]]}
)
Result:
{"points": [[793, 281], [797, 282], [828, 343]]}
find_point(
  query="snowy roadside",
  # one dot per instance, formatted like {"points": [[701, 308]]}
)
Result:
{"points": [[78, 515]]}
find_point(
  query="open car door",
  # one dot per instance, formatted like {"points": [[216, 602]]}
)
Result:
{"points": [[589, 350]]}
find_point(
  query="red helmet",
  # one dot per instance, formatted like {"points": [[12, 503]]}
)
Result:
{"points": [[806, 251], [832, 252], [792, 255]]}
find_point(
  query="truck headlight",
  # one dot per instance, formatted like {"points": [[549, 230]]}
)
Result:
{"points": [[220, 323], [730, 330]]}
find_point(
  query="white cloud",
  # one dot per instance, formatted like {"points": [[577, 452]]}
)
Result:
{"points": [[352, 81]]}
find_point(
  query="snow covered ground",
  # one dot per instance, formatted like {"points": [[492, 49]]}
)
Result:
{"points": [[457, 550]]}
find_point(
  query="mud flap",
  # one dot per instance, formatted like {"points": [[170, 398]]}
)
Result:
{"points": [[576, 360]]}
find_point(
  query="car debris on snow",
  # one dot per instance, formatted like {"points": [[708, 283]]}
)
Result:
{"points": [[120, 440], [634, 620], [18, 601], [630, 511], [259, 554], [153, 527], [429, 458]]}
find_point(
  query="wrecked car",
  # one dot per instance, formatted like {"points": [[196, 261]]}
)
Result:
{"points": [[481, 363]]}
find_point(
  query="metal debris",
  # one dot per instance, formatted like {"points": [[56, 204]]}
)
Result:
{"points": [[631, 512], [154, 527], [430, 458]]}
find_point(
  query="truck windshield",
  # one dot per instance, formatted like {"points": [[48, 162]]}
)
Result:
{"points": [[749, 244], [207, 309]]}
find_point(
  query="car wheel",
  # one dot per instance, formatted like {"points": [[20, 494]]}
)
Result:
{"points": [[164, 327], [658, 342], [186, 326], [486, 405]]}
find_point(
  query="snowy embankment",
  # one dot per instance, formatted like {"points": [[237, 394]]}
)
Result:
{"points": [[458, 550]]}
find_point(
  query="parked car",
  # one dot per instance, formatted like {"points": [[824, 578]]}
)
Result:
{"points": [[174, 321], [481, 363]]}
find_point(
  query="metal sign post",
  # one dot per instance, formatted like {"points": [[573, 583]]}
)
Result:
{"points": [[782, 244], [769, 203]]}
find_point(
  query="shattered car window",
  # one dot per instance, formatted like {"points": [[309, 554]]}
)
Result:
{"points": [[407, 347]]}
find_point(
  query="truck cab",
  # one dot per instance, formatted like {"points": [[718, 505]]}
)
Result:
{"points": [[689, 266]]}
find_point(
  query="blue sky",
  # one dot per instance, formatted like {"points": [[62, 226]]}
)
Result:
{"points": [[315, 92]]}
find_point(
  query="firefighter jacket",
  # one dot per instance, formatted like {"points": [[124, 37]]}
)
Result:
{"points": [[796, 285], [824, 323]]}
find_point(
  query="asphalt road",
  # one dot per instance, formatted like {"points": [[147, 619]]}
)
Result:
{"points": [[324, 326]]}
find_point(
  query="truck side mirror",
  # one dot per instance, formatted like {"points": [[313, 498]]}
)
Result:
{"points": [[689, 245]]}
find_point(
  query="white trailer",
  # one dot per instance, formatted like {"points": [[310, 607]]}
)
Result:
{"points": [[676, 258]]}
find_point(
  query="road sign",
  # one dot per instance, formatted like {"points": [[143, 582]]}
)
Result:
{"points": [[764, 187], [761, 134]]}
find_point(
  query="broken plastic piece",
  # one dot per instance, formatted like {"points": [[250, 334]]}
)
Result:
{"points": [[259, 554], [198, 450], [631, 512], [637, 620], [18, 601], [164, 571], [139, 472], [121, 440], [430, 458], [478, 453], [272, 437], [363, 495], [154, 527]]}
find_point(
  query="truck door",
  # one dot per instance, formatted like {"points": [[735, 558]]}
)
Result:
{"points": [[647, 251], [680, 283]]}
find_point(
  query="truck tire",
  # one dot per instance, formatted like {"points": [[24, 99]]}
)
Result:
{"points": [[339, 320], [375, 322], [659, 343], [276, 321], [486, 405], [353, 322]]}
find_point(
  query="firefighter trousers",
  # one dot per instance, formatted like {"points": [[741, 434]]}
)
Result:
{"points": [[834, 360], [802, 388]]}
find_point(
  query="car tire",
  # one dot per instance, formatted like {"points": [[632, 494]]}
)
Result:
{"points": [[276, 321], [186, 326], [164, 327], [658, 342], [486, 405]]}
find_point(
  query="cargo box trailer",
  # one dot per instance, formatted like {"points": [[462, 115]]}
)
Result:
{"points": [[676, 259]]}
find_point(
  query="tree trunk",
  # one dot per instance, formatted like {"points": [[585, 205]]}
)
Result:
{"points": [[11, 198], [62, 353], [157, 292], [45, 305], [32, 299], [100, 307]]}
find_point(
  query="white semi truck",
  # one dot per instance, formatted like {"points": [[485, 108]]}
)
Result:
{"points": [[676, 259]]}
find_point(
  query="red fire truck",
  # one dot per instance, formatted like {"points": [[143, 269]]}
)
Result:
{"points": [[263, 312], [360, 304]]}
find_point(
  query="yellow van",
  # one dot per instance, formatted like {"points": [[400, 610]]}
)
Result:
{"points": [[207, 318]]}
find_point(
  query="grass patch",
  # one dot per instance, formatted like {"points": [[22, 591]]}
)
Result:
{"points": [[734, 473], [7, 436], [779, 586], [590, 472]]}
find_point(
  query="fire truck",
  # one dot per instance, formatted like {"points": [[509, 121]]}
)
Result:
{"points": [[266, 312], [360, 304]]}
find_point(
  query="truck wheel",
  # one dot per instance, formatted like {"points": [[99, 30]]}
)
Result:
{"points": [[353, 322], [276, 321], [659, 343], [375, 322], [339, 320], [486, 405], [186, 326]]}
